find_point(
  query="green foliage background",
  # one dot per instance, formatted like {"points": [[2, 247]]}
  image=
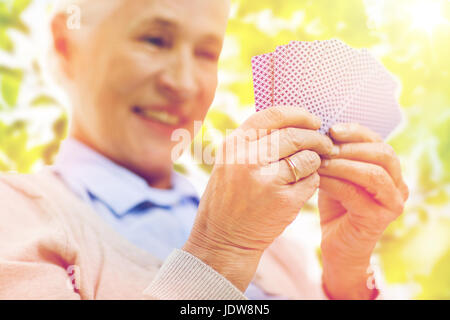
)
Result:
{"points": [[415, 251]]}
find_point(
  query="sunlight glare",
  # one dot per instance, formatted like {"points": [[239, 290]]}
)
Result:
{"points": [[426, 15]]}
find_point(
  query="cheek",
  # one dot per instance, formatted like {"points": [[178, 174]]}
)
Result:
{"points": [[208, 89], [207, 82], [129, 70], [211, 87]]}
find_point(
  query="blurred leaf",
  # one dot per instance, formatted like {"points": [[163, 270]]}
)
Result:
{"points": [[437, 284], [10, 86], [44, 101], [221, 121], [60, 127], [12, 72], [19, 6], [49, 152], [412, 255], [180, 168], [202, 142], [5, 42], [439, 198], [10, 15]]}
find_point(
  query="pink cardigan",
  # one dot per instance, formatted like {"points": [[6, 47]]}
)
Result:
{"points": [[53, 246]]}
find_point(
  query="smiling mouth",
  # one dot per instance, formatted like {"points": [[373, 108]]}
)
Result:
{"points": [[160, 116]]}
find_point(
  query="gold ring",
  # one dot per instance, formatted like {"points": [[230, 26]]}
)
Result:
{"points": [[293, 169]]}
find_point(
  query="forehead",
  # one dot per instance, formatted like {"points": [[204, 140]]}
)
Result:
{"points": [[209, 16]]}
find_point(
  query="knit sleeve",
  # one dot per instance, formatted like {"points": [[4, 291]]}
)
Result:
{"points": [[185, 277]]}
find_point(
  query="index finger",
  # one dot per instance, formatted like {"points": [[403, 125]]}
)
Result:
{"points": [[282, 117], [377, 153], [353, 132]]}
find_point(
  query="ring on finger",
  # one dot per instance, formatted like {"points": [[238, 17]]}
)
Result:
{"points": [[293, 168]]}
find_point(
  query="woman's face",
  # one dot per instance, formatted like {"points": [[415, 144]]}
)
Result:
{"points": [[148, 68]]}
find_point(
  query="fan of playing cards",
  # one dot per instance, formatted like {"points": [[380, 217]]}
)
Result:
{"points": [[331, 80]]}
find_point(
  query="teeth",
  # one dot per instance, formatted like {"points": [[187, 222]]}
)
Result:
{"points": [[161, 116]]}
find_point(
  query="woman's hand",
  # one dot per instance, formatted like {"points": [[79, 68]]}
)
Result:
{"points": [[250, 201], [361, 192]]}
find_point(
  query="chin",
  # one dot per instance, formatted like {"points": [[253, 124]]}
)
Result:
{"points": [[156, 153], [149, 164]]}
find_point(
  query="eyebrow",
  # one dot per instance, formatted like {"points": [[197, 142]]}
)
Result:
{"points": [[162, 23], [212, 40]]}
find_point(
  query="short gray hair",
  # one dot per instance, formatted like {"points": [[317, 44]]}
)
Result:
{"points": [[87, 11]]}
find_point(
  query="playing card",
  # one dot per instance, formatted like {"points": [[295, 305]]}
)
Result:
{"points": [[373, 104], [331, 80], [298, 56], [280, 64], [337, 65], [352, 84], [262, 69], [314, 87]]}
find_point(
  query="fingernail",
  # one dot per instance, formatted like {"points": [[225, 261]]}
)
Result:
{"points": [[318, 121], [339, 128], [324, 163], [335, 151], [378, 137]]}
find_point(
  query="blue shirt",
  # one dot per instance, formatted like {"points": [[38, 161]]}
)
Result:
{"points": [[153, 219]]}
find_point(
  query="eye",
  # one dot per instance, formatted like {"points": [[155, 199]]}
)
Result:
{"points": [[209, 55], [161, 42]]}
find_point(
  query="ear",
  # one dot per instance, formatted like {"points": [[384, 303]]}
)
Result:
{"points": [[61, 41]]}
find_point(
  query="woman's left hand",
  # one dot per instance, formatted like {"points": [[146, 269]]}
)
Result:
{"points": [[361, 192]]}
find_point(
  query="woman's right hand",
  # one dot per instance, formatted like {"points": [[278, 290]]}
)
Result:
{"points": [[252, 195]]}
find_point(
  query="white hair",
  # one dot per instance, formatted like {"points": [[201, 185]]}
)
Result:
{"points": [[86, 8], [61, 5], [79, 13]]}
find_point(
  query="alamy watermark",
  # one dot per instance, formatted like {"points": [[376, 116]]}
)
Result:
{"points": [[243, 147], [74, 17]]}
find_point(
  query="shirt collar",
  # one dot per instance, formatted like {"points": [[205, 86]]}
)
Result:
{"points": [[118, 187]]}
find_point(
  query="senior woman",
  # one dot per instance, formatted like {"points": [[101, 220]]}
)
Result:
{"points": [[135, 71]]}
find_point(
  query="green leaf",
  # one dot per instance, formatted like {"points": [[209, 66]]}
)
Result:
{"points": [[221, 121], [10, 16], [5, 42], [50, 151], [60, 127], [10, 87], [20, 26], [44, 101], [5, 15], [437, 284], [4, 70], [439, 198], [412, 254], [19, 6], [202, 139], [180, 168]]}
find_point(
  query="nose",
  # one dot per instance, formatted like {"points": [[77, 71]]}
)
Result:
{"points": [[177, 81]]}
